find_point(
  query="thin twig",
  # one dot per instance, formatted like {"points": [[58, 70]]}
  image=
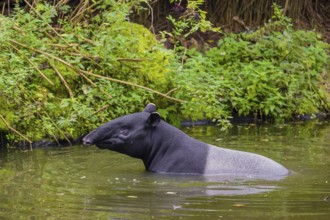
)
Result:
{"points": [[172, 90], [3, 9], [183, 56], [63, 46], [99, 110], [82, 10], [15, 131], [286, 7], [152, 18], [97, 57], [55, 138], [82, 55], [62, 79], [65, 137], [131, 59], [87, 40], [92, 83], [34, 66], [132, 84], [17, 29]]}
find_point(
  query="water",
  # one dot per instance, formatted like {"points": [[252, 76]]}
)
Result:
{"points": [[87, 183]]}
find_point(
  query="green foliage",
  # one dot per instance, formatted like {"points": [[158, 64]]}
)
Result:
{"points": [[190, 22], [193, 20], [45, 89], [60, 78], [274, 71]]}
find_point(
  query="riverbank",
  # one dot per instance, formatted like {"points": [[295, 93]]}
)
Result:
{"points": [[235, 121], [63, 78]]}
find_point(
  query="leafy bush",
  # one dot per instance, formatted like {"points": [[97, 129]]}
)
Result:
{"points": [[60, 79], [274, 72], [62, 82]]}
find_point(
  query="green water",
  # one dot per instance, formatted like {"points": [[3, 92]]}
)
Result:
{"points": [[87, 183]]}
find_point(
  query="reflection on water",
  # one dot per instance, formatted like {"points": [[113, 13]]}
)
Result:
{"points": [[88, 183]]}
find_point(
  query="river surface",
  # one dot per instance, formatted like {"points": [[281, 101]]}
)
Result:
{"points": [[80, 182]]}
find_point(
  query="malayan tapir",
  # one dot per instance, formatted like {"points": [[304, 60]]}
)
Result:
{"points": [[165, 149]]}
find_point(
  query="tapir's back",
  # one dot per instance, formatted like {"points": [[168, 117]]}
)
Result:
{"points": [[179, 153], [221, 160]]}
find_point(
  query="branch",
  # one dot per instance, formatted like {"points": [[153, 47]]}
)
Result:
{"points": [[99, 110], [131, 59], [83, 73], [66, 138], [132, 84], [97, 57], [62, 61], [91, 82], [34, 66], [172, 90], [62, 79], [15, 131]]}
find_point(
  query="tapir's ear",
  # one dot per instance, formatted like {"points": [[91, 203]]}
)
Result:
{"points": [[154, 119], [151, 107]]}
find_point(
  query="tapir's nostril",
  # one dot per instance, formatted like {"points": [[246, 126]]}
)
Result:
{"points": [[86, 141]]}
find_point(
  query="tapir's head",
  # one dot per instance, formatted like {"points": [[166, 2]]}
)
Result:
{"points": [[127, 134]]}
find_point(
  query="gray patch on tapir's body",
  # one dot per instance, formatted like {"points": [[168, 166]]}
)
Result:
{"points": [[239, 162], [166, 149]]}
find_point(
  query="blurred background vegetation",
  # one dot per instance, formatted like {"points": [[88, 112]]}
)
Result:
{"points": [[68, 66]]}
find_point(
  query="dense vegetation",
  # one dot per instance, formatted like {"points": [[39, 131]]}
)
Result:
{"points": [[274, 71], [63, 75]]}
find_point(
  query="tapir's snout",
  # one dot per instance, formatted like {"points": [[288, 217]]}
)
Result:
{"points": [[87, 142]]}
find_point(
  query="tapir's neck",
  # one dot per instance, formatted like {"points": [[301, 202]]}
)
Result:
{"points": [[161, 141], [168, 145]]}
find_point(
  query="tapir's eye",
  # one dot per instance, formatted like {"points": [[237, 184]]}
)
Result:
{"points": [[124, 131]]}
